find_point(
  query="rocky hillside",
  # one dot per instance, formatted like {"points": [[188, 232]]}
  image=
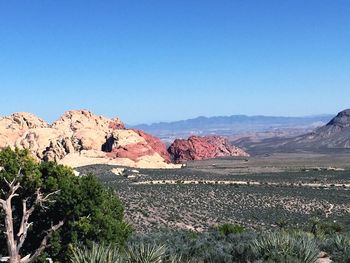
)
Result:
{"points": [[80, 138], [334, 135], [200, 148]]}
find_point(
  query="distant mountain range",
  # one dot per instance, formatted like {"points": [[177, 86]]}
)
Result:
{"points": [[234, 126], [335, 135]]}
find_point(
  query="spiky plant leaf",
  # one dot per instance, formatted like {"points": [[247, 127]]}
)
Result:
{"points": [[282, 247], [97, 254], [146, 253]]}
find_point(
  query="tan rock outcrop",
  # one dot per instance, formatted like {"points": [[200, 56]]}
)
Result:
{"points": [[88, 139], [74, 120], [22, 121], [14, 126], [45, 143], [80, 138], [126, 137], [91, 157]]}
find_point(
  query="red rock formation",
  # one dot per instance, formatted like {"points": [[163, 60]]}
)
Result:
{"points": [[137, 144], [200, 148], [131, 151], [156, 144], [116, 124]]}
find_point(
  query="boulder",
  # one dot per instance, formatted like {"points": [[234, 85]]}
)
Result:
{"points": [[118, 171], [200, 148], [88, 139]]}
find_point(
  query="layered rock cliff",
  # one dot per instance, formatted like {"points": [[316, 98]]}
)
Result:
{"points": [[200, 148]]}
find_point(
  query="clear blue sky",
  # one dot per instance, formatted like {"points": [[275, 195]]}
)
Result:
{"points": [[148, 60]]}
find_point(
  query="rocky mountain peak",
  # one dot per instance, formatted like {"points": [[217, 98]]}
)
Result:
{"points": [[78, 119], [22, 121], [342, 119], [334, 135]]}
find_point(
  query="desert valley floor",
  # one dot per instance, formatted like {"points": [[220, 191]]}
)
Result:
{"points": [[257, 192]]}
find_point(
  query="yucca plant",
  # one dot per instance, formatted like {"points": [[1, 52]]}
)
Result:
{"points": [[282, 247], [342, 242], [338, 247], [146, 253], [97, 254], [177, 259]]}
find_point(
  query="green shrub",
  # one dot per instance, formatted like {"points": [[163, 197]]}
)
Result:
{"points": [[281, 247], [90, 211], [227, 229], [208, 247], [338, 247]]}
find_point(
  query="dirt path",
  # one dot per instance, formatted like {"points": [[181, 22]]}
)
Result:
{"points": [[232, 182]]}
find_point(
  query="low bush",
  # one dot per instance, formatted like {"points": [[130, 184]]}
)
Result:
{"points": [[281, 247], [227, 229], [338, 246]]}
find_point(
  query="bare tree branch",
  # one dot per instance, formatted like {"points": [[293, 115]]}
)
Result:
{"points": [[40, 200], [2, 203], [22, 232], [14, 245], [13, 187], [43, 244]]}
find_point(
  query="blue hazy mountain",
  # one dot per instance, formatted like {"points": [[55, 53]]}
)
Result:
{"points": [[231, 125]]}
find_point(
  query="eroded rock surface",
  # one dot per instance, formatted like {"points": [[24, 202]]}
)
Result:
{"points": [[200, 148], [80, 137], [14, 126], [156, 144]]}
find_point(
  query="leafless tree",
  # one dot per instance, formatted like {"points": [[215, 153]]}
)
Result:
{"points": [[15, 239]]}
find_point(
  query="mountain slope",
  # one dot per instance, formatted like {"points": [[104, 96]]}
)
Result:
{"points": [[334, 135]]}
